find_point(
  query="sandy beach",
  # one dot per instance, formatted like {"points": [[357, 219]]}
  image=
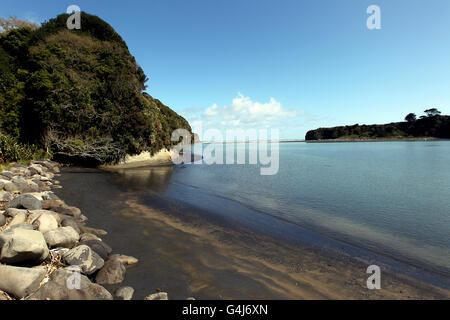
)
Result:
{"points": [[188, 252]]}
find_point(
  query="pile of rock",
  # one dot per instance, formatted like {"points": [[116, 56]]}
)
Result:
{"points": [[46, 249]]}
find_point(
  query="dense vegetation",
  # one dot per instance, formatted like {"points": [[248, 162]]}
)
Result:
{"points": [[79, 94], [430, 125]]}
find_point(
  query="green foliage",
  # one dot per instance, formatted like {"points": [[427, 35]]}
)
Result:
{"points": [[431, 126], [79, 93], [12, 150]]}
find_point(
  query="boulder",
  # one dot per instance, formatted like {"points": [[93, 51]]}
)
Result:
{"points": [[7, 174], [10, 187], [45, 223], [2, 219], [89, 236], [5, 196], [21, 246], [101, 248], [35, 169], [126, 260], [65, 284], [65, 237], [27, 201], [97, 232], [18, 218], [19, 170], [85, 258], [22, 225], [12, 212], [124, 293], [20, 182], [20, 282], [61, 207], [3, 181], [70, 222], [35, 214], [113, 272], [157, 296]]}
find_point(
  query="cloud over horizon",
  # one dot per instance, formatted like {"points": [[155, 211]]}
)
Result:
{"points": [[243, 112]]}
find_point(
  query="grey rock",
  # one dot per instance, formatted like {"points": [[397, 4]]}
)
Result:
{"points": [[45, 223], [20, 282], [124, 293], [61, 207], [7, 174], [18, 218], [70, 222], [65, 237], [3, 181], [64, 285], [2, 219], [35, 214], [22, 246], [20, 182], [85, 258], [97, 232], [22, 225], [113, 272], [157, 296], [27, 201], [89, 236], [11, 187], [101, 248], [12, 212], [5, 196]]}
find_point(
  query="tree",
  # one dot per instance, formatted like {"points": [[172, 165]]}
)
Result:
{"points": [[411, 117], [6, 25], [432, 112]]}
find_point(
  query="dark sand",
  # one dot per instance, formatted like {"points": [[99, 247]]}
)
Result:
{"points": [[187, 251]]}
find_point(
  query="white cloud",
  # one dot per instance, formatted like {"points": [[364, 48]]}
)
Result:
{"points": [[243, 111]]}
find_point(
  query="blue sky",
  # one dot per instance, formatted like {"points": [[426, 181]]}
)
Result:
{"points": [[288, 64]]}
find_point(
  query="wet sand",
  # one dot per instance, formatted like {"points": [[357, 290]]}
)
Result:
{"points": [[187, 251]]}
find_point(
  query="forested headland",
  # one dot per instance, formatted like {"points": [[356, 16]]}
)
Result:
{"points": [[76, 95], [431, 125]]}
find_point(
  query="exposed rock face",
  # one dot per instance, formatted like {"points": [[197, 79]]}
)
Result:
{"points": [[124, 293], [113, 272], [44, 222], [28, 201], [65, 237], [68, 285], [22, 246], [85, 258], [20, 282]]}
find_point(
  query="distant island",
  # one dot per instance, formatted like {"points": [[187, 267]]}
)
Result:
{"points": [[432, 125]]}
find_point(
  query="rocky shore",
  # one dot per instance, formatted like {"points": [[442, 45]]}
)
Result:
{"points": [[47, 251]]}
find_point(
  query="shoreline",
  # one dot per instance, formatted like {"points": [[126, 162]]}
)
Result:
{"points": [[47, 251], [374, 139], [180, 233]]}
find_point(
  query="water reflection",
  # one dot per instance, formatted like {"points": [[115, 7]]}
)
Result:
{"points": [[144, 178]]}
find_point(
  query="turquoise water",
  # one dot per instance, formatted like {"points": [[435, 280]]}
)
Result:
{"points": [[389, 197]]}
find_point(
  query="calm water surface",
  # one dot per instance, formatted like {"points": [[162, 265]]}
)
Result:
{"points": [[389, 197]]}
